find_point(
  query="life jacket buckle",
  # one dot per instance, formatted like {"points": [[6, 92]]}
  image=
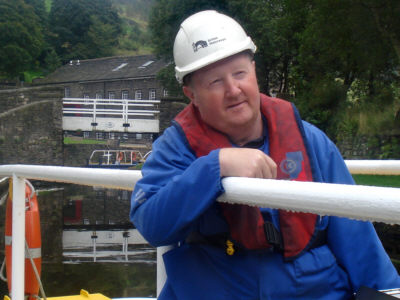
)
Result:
{"points": [[229, 247], [273, 236]]}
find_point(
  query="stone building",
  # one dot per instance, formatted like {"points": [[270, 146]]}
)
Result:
{"points": [[129, 77]]}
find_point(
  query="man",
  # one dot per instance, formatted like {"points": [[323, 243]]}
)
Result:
{"points": [[226, 251]]}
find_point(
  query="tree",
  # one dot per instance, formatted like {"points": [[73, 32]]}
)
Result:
{"points": [[39, 9], [327, 55], [274, 26], [386, 16], [21, 38], [340, 44], [51, 61], [101, 38], [78, 26]]}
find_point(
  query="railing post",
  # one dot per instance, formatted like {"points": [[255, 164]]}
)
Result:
{"points": [[18, 238], [125, 111], [94, 110]]}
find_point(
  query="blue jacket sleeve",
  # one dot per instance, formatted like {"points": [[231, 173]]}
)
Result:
{"points": [[355, 244], [175, 191]]}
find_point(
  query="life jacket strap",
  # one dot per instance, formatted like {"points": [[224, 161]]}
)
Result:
{"points": [[273, 236]]}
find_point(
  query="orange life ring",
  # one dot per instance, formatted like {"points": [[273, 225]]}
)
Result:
{"points": [[133, 156], [32, 237], [120, 156]]}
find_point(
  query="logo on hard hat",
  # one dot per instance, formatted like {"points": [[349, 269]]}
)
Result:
{"points": [[199, 44]]}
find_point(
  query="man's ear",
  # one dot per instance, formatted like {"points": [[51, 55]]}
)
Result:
{"points": [[189, 92]]}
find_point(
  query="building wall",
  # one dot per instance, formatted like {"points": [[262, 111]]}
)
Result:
{"points": [[370, 146], [91, 89], [14, 98], [31, 126], [78, 90], [169, 108]]}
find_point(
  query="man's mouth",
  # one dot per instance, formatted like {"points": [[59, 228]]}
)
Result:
{"points": [[236, 105]]}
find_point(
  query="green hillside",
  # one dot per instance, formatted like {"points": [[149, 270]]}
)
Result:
{"points": [[136, 38], [135, 16]]}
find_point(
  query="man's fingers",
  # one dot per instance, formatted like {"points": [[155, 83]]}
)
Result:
{"points": [[272, 168], [268, 168], [245, 162]]}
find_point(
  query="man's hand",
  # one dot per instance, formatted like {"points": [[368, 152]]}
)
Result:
{"points": [[246, 162]]}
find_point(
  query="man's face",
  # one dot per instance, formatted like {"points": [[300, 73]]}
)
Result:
{"points": [[227, 96]]}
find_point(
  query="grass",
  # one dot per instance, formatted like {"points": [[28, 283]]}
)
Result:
{"points": [[70, 141], [387, 233], [30, 75], [378, 180]]}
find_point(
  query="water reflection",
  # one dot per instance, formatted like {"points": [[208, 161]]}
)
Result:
{"points": [[88, 242], [126, 246]]}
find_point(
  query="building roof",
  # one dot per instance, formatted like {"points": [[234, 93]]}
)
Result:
{"points": [[104, 69]]}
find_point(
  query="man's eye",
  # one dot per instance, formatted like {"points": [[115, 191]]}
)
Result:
{"points": [[215, 81], [239, 74]]}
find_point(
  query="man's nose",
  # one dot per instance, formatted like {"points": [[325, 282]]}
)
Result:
{"points": [[232, 87]]}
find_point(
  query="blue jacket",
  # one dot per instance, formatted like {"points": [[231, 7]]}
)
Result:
{"points": [[176, 196]]}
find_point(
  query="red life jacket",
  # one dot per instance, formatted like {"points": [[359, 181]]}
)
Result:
{"points": [[288, 150]]}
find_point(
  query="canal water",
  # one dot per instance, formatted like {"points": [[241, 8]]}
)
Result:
{"points": [[89, 243]]}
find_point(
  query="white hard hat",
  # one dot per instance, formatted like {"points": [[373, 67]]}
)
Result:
{"points": [[206, 37]]}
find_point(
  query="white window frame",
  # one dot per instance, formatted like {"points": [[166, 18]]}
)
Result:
{"points": [[111, 95], [152, 94], [125, 94], [138, 94]]}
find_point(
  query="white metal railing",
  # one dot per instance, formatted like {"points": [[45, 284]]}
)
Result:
{"points": [[117, 108], [358, 202], [378, 167]]}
